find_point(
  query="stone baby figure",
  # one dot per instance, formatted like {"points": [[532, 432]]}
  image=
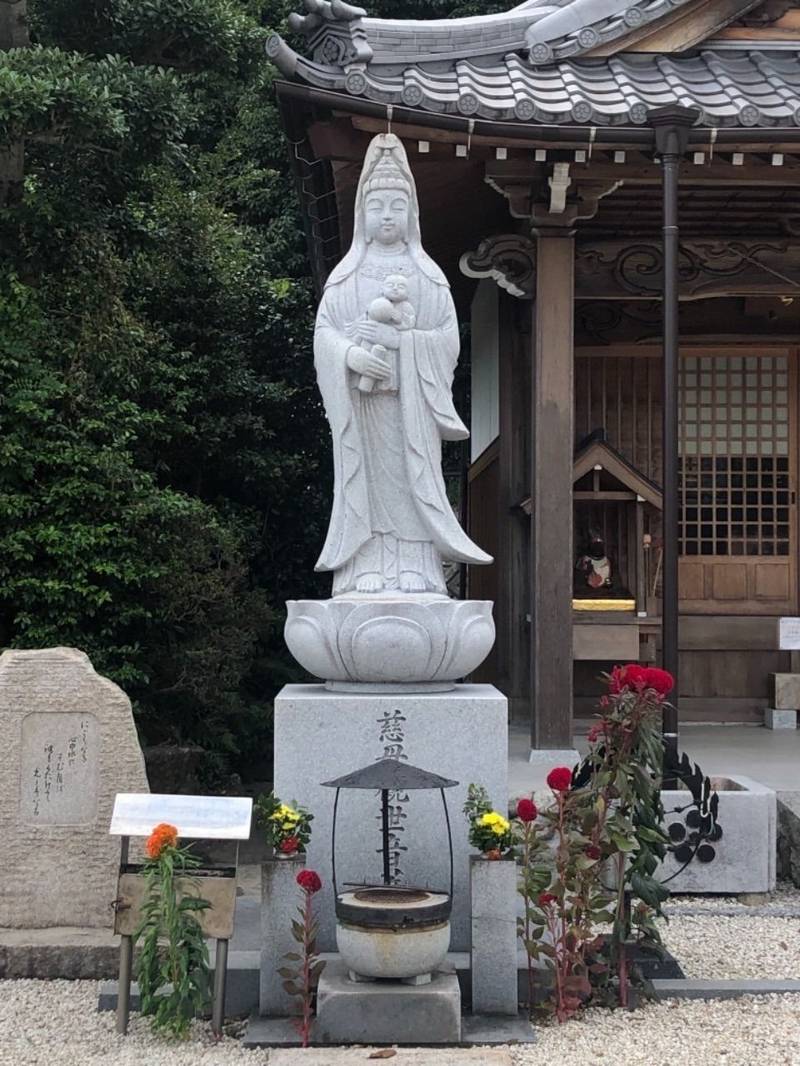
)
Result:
{"points": [[393, 309]]}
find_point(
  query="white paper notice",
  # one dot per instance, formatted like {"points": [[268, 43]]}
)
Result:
{"points": [[789, 634]]}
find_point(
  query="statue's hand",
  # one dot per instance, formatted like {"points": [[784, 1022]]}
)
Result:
{"points": [[361, 361], [379, 333]]}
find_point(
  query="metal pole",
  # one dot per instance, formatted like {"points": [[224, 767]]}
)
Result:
{"points": [[671, 126], [220, 981], [124, 983], [387, 875]]}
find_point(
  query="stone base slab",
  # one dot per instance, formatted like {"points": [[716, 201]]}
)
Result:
{"points": [[722, 989], [70, 952], [789, 836], [321, 735], [785, 691], [775, 718], [274, 1034], [386, 1012]]}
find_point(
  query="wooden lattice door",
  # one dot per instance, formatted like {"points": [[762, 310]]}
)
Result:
{"points": [[737, 482]]}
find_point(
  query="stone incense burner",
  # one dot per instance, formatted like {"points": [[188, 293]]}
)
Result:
{"points": [[389, 930]]}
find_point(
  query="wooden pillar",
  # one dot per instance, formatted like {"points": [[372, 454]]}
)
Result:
{"points": [[552, 444], [513, 548]]}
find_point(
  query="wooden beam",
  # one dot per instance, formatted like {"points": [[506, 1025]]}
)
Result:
{"points": [[632, 270], [690, 28], [552, 420]]}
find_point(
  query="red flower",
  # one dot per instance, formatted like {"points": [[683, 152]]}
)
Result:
{"points": [[289, 846], [560, 779], [527, 810], [592, 851], [309, 881], [598, 730], [661, 680], [546, 898]]}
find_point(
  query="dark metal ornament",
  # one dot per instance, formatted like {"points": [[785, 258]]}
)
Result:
{"points": [[385, 776]]}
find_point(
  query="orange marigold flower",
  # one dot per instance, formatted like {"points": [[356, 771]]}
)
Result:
{"points": [[163, 836]]}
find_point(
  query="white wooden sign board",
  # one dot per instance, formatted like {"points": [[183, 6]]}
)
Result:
{"points": [[136, 814], [789, 634]]}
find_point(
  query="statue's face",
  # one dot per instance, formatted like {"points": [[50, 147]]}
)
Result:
{"points": [[386, 216]]}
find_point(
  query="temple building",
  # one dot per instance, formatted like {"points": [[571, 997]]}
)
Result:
{"points": [[611, 188]]}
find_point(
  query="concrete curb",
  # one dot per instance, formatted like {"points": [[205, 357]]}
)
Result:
{"points": [[477, 1030], [721, 989]]}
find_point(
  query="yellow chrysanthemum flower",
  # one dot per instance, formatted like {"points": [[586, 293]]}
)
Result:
{"points": [[494, 821]]}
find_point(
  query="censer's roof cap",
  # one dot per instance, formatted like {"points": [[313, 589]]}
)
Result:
{"points": [[391, 774]]}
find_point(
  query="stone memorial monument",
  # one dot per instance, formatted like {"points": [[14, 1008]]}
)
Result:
{"points": [[390, 645], [69, 745]]}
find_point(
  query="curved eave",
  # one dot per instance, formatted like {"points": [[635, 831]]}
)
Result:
{"points": [[743, 90]]}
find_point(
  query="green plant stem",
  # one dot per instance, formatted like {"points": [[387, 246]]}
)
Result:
{"points": [[526, 858], [307, 986]]}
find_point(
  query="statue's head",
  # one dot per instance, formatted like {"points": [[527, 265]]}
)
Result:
{"points": [[386, 210], [387, 196]]}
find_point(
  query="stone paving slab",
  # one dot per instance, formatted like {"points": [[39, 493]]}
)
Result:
{"points": [[363, 1056]]}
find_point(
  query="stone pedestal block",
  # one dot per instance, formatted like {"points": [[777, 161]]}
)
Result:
{"points": [[386, 1012], [68, 746], [493, 955], [775, 718], [789, 836], [320, 735], [785, 691], [743, 859], [280, 898]]}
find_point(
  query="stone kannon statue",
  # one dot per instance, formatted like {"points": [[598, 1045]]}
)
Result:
{"points": [[385, 349]]}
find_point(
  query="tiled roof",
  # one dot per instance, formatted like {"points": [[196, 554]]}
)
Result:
{"points": [[747, 88], [546, 30]]}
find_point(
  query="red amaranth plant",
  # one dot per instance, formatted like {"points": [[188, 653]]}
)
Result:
{"points": [[606, 812], [302, 978]]}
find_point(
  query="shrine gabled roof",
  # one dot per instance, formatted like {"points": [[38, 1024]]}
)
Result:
{"points": [[599, 454], [529, 65]]}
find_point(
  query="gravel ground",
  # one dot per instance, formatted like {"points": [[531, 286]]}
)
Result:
{"points": [[735, 947], [55, 1023], [752, 1031], [786, 897]]}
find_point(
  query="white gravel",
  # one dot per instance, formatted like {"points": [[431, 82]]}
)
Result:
{"points": [[752, 1031], [735, 947], [55, 1023], [786, 897]]}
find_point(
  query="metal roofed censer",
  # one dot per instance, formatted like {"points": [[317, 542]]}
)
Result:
{"points": [[390, 930]]}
